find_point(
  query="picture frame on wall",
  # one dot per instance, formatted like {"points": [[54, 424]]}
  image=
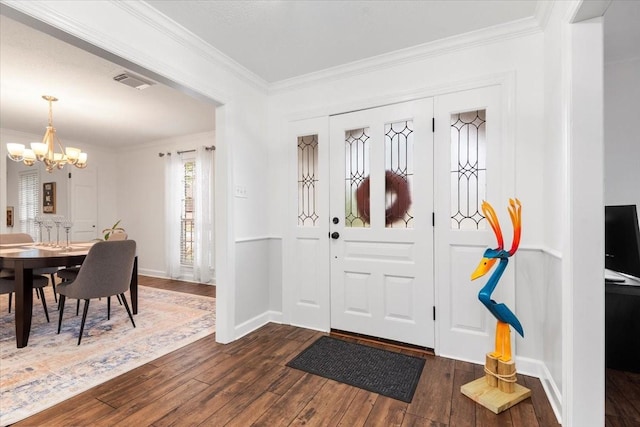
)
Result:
{"points": [[49, 197], [9, 216]]}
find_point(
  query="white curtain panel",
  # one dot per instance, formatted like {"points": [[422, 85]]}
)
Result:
{"points": [[173, 187], [203, 217]]}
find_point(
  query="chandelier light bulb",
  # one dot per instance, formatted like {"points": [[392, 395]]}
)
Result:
{"points": [[15, 151], [40, 149], [72, 154], [29, 157], [82, 161]]}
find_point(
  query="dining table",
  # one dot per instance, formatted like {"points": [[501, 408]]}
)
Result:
{"points": [[23, 258]]}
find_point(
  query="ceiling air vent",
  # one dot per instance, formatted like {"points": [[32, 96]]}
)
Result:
{"points": [[133, 81]]}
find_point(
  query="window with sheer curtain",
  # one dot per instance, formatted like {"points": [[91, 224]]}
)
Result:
{"points": [[28, 199], [189, 215], [187, 211]]}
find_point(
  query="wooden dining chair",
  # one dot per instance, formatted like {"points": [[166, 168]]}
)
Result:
{"points": [[8, 286], [106, 271]]}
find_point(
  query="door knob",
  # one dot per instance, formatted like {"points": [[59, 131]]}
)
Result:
{"points": [[335, 235], [335, 220]]}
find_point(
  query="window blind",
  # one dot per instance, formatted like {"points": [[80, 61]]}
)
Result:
{"points": [[28, 198], [186, 217]]}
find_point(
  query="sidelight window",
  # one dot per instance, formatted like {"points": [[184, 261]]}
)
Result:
{"points": [[468, 169], [307, 180]]}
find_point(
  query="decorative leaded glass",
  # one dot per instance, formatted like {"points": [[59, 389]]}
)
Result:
{"points": [[398, 158], [357, 169], [468, 169], [307, 179]]}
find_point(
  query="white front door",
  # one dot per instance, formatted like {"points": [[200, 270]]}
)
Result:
{"points": [[381, 205], [473, 164]]}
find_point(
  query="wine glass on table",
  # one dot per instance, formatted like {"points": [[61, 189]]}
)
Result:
{"points": [[67, 224], [48, 225], [57, 220], [39, 220]]}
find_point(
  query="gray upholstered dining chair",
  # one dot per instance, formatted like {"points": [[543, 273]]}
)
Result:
{"points": [[70, 273], [8, 286], [10, 238], [106, 271]]}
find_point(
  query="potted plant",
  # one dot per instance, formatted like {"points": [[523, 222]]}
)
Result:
{"points": [[108, 232]]}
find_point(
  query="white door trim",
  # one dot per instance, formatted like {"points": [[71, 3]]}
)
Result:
{"points": [[505, 80]]}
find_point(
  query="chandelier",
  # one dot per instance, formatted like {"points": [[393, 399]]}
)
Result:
{"points": [[45, 151]]}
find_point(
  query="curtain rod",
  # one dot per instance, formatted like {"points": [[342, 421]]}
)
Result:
{"points": [[168, 153]]}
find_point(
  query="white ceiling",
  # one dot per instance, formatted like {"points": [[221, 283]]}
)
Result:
{"points": [[278, 40], [275, 40]]}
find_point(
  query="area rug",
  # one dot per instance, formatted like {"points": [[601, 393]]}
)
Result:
{"points": [[53, 368], [380, 371]]}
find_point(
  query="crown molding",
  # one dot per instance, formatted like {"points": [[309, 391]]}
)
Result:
{"points": [[481, 37], [144, 12]]}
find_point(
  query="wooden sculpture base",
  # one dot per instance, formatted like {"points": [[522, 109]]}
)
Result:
{"points": [[496, 393]]}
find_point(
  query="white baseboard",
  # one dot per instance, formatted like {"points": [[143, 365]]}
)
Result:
{"points": [[152, 273], [554, 394], [276, 316], [536, 368], [256, 323], [162, 275], [530, 367]]}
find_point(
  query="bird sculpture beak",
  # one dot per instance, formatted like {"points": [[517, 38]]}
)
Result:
{"points": [[482, 268]]}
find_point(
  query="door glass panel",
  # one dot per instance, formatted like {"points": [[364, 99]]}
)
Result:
{"points": [[307, 179], [468, 169], [357, 204], [398, 162]]}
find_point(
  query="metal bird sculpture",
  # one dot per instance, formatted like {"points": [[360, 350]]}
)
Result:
{"points": [[500, 311]]}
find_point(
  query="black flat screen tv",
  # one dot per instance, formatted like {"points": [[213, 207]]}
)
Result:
{"points": [[622, 240]]}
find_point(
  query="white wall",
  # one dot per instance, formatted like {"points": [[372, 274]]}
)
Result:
{"points": [[583, 252], [621, 133], [574, 219], [554, 184], [100, 159]]}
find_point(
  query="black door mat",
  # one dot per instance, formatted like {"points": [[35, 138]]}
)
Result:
{"points": [[380, 371]]}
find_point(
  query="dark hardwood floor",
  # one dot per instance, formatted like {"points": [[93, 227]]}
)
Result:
{"points": [[622, 404], [246, 383]]}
